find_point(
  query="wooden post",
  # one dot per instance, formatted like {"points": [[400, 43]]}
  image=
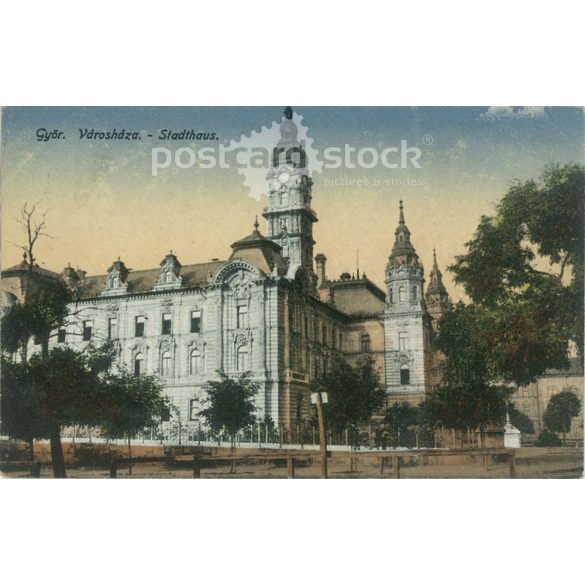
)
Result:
{"points": [[512, 463], [322, 436], [395, 467], [114, 466], [290, 467], [196, 467]]}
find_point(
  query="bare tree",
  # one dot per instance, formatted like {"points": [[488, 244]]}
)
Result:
{"points": [[35, 228]]}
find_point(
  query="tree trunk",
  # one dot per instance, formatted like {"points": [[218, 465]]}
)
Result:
{"points": [[57, 458], [31, 448], [129, 457], [233, 449]]}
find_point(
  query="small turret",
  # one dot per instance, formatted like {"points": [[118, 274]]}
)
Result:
{"points": [[437, 297]]}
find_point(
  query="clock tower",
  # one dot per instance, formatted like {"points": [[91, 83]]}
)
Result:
{"points": [[289, 214]]}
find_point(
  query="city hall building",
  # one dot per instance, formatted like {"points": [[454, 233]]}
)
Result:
{"points": [[269, 308]]}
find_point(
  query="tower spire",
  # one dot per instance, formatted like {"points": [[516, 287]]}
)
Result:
{"points": [[403, 252]]}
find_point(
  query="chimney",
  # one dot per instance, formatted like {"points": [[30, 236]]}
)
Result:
{"points": [[321, 260]]}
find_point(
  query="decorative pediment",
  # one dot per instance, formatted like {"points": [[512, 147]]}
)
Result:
{"points": [[117, 279], [237, 268], [170, 277], [241, 338]]}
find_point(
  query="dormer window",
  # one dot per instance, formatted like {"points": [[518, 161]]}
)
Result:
{"points": [[169, 277], [117, 279]]}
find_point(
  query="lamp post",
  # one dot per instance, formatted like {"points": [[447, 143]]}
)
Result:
{"points": [[320, 398]]}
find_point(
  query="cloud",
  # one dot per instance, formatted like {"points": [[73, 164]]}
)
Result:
{"points": [[507, 112]]}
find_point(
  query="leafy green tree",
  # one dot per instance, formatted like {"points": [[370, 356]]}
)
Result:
{"points": [[129, 404], [400, 418], [522, 422], [561, 408], [548, 439], [48, 392], [523, 271], [467, 406], [355, 393], [43, 311], [67, 387], [229, 405]]}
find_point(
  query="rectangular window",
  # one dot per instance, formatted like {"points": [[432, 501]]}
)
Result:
{"points": [[242, 359], [112, 327], [61, 335], [166, 324], [195, 321], [365, 343], [87, 330], [139, 327], [242, 316], [402, 341], [194, 409], [165, 367], [404, 376]]}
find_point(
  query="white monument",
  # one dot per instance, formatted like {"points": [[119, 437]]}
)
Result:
{"points": [[511, 434]]}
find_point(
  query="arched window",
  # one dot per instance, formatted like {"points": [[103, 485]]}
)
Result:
{"points": [[413, 292], [365, 343], [196, 365], [401, 294], [390, 296], [404, 375], [165, 364], [138, 364], [242, 359]]}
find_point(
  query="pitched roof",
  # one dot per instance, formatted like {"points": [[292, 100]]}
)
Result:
{"points": [[357, 296], [259, 251], [140, 281], [23, 267]]}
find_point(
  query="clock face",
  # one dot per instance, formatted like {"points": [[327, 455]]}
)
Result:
{"points": [[283, 177]]}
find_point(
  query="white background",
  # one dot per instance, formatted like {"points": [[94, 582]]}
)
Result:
{"points": [[259, 53]]}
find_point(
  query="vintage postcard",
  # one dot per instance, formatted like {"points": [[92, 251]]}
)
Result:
{"points": [[292, 292]]}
